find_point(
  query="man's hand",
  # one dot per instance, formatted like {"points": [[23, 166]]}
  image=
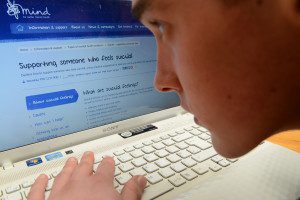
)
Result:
{"points": [[77, 181]]}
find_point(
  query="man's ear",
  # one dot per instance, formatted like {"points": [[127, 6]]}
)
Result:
{"points": [[291, 10]]}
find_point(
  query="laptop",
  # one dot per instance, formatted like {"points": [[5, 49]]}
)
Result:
{"points": [[79, 76]]}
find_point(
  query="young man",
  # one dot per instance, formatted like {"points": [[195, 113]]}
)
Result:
{"points": [[235, 65]]}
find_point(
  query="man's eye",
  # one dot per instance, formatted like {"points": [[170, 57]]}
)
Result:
{"points": [[158, 25]]}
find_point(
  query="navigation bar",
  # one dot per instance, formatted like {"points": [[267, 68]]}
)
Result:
{"points": [[41, 28]]}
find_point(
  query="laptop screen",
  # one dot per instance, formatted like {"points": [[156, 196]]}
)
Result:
{"points": [[68, 66]]}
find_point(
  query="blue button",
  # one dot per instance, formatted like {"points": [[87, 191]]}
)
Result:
{"points": [[34, 161], [53, 156], [51, 99]]}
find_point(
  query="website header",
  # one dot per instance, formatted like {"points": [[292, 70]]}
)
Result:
{"points": [[20, 19]]}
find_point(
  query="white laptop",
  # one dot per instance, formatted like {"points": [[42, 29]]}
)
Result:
{"points": [[77, 77]]}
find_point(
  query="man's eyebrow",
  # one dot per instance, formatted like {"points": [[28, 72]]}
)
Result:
{"points": [[139, 9]]}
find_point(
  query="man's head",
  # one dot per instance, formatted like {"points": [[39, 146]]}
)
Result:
{"points": [[234, 63]]}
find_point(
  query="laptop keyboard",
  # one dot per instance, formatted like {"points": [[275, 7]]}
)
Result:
{"points": [[168, 161]]}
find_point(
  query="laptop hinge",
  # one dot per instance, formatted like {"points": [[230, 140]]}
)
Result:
{"points": [[7, 165]]}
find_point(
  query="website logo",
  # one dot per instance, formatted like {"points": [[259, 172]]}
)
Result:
{"points": [[17, 10]]}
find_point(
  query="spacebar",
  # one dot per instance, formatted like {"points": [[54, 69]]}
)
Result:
{"points": [[157, 190]]}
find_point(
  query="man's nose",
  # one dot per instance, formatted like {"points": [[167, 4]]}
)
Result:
{"points": [[164, 82], [166, 79]]}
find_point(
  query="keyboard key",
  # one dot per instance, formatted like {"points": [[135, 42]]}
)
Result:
{"points": [[173, 158], [188, 128], [214, 167], [154, 178], [168, 142], [224, 163], [151, 157], [49, 176], [178, 167], [47, 194], [157, 190], [138, 146], [26, 192], [182, 137], [172, 134], [123, 178], [198, 143], [180, 131], [162, 163], [184, 154], [12, 189], [200, 169], [165, 137], [13, 196], [116, 184], [137, 153], [217, 158], [156, 140], [189, 175], [147, 143], [55, 173], [232, 160], [28, 183], [195, 132], [49, 185], [158, 146], [204, 136], [119, 152], [95, 167], [117, 162], [147, 185], [193, 149], [204, 155], [202, 129], [139, 162], [172, 149], [189, 162], [120, 188], [182, 145], [117, 171], [125, 158], [177, 180], [191, 141], [148, 149], [98, 158], [166, 172], [138, 172], [126, 167], [162, 153], [129, 149], [149, 168]]}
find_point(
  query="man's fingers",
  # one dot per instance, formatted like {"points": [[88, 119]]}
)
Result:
{"points": [[106, 170], [134, 188], [37, 191], [64, 176], [85, 167]]}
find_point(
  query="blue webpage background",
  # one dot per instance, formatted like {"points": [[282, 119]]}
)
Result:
{"points": [[68, 67]]}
